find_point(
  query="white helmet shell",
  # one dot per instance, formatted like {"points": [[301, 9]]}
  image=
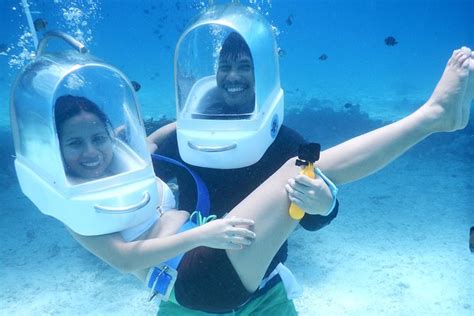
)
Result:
{"points": [[214, 130], [127, 195]]}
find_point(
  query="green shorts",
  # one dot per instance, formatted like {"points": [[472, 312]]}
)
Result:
{"points": [[273, 302]]}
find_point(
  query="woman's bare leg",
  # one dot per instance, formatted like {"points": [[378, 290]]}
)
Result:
{"points": [[446, 110], [268, 207], [268, 204]]}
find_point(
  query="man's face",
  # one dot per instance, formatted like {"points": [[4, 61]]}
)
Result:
{"points": [[236, 81]]}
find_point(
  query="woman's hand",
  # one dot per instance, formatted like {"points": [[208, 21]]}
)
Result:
{"points": [[312, 195], [227, 233]]}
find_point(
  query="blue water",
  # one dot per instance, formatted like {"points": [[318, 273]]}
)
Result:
{"points": [[400, 243]]}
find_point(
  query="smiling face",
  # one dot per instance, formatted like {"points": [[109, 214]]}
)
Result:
{"points": [[235, 75], [86, 146], [236, 82]]}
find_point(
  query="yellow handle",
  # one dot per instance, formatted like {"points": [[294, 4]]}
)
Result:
{"points": [[295, 211]]}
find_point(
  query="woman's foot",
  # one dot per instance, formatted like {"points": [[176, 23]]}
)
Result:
{"points": [[468, 98], [449, 106]]}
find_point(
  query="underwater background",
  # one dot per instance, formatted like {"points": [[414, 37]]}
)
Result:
{"points": [[399, 245]]}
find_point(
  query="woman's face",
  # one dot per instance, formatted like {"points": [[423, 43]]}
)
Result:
{"points": [[235, 79], [86, 146]]}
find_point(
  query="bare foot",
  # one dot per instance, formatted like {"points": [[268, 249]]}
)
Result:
{"points": [[448, 106], [469, 96]]}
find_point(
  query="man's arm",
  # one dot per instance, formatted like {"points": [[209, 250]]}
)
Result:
{"points": [[156, 138]]}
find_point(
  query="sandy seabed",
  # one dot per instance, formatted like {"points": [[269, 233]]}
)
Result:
{"points": [[398, 247]]}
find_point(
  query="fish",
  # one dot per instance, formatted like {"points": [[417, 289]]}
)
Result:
{"points": [[281, 52], [323, 57], [3, 48], [352, 107], [289, 19], [136, 85], [390, 41], [40, 24]]}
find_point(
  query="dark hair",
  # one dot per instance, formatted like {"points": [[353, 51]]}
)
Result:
{"points": [[234, 46], [68, 106]]}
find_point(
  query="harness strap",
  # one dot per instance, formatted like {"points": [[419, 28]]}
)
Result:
{"points": [[160, 279], [203, 204]]}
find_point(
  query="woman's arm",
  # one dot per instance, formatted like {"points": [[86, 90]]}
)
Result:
{"points": [[154, 249]]}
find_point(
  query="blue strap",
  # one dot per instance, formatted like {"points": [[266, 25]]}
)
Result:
{"points": [[161, 279], [203, 204], [333, 189]]}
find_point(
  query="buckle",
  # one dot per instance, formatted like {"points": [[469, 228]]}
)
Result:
{"points": [[160, 281]]}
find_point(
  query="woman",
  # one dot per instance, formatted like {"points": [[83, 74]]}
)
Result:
{"points": [[230, 255], [85, 138]]}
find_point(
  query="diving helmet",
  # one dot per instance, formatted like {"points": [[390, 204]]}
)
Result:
{"points": [[81, 153], [228, 93]]}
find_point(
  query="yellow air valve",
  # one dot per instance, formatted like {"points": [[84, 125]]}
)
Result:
{"points": [[308, 154]]}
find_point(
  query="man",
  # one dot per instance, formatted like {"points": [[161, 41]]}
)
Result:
{"points": [[235, 94]]}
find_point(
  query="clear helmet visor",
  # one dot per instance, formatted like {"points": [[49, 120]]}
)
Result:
{"points": [[216, 79], [97, 125]]}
